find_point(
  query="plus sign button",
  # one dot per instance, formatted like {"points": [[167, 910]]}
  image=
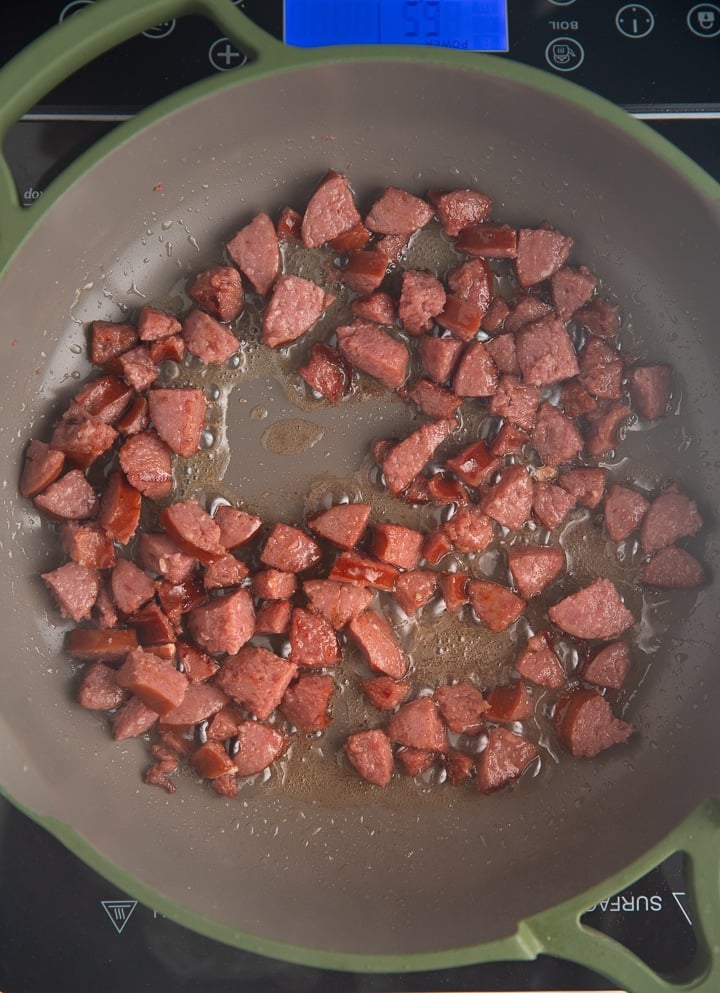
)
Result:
{"points": [[224, 55]]}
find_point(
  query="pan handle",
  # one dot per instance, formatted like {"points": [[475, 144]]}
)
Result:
{"points": [[79, 39], [561, 933]]}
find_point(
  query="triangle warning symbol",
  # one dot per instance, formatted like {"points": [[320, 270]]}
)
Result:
{"points": [[119, 912]]}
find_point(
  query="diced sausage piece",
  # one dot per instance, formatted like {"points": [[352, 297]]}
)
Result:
{"points": [[509, 703], [392, 246], [571, 289], [504, 760], [545, 352], [602, 369], [372, 350], [137, 368], [219, 291], [158, 553], [488, 241], [650, 387], [224, 572], [120, 508], [526, 310], [313, 642], [74, 588], [193, 530], [256, 678], [608, 667], [418, 492], [503, 351], [154, 680], [351, 567], [81, 437], [343, 524], [418, 724], [274, 584], [152, 626], [415, 588], [495, 605], [462, 707], [595, 612], [575, 399], [474, 464], [200, 702], [476, 376], [370, 754], [289, 225], [585, 724], [328, 372], [459, 767], [236, 526], [509, 501], [108, 340], [673, 568], [436, 546], [105, 398], [274, 617], [385, 693], [364, 271], [223, 624], [600, 317], [460, 317], [170, 349], [414, 761], [458, 209], [551, 504], [338, 603], [178, 416], [306, 702], [469, 529], [534, 567], [256, 252], [540, 665], [376, 640], [212, 760], [355, 237], [330, 211], [177, 599], [445, 489], [135, 419], [586, 485], [198, 666], [541, 252], [509, 440], [397, 545], [147, 463], [602, 427], [671, 516], [408, 458], [398, 212], [439, 356], [378, 307], [555, 437], [131, 587], [107, 616], [494, 317], [515, 401], [289, 549], [99, 689], [422, 297], [453, 587], [132, 719], [206, 338], [41, 467], [433, 400], [226, 784], [88, 545], [295, 305], [624, 509], [154, 324]]}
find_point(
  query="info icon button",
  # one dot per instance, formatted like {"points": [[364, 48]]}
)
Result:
{"points": [[704, 20], [564, 54]]}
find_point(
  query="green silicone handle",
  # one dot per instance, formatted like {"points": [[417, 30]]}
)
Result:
{"points": [[69, 46]]}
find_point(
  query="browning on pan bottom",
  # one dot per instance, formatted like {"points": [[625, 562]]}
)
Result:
{"points": [[225, 639]]}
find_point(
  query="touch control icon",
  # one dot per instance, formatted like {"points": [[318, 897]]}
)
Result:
{"points": [[564, 54], [635, 20], [224, 55], [704, 20], [161, 30]]}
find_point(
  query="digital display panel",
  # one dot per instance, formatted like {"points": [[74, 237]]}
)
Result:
{"points": [[468, 25]]}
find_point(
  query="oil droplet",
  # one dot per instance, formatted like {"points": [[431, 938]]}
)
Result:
{"points": [[291, 436]]}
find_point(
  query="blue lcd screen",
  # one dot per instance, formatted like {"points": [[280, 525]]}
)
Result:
{"points": [[469, 25]]}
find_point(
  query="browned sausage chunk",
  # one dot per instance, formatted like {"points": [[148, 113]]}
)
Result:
{"points": [[330, 211], [256, 678], [219, 291], [376, 640], [624, 509], [154, 680], [209, 340], [257, 747], [462, 707], [289, 549], [256, 252], [408, 458], [338, 603], [373, 351], [534, 567], [370, 754], [673, 568], [313, 642], [509, 501], [193, 530], [506, 757], [398, 212], [459, 209], [670, 516], [178, 416], [343, 524], [147, 463], [541, 252], [608, 667], [295, 305], [595, 612], [306, 701], [385, 693], [586, 725], [545, 352], [74, 588], [422, 298], [418, 724], [495, 605], [223, 624]]}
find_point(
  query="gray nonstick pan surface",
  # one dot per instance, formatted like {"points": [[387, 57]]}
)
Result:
{"points": [[332, 872]]}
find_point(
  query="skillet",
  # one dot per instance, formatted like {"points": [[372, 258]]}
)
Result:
{"points": [[350, 880]]}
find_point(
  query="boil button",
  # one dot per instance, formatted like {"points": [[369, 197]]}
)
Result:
{"points": [[704, 20], [564, 54]]}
